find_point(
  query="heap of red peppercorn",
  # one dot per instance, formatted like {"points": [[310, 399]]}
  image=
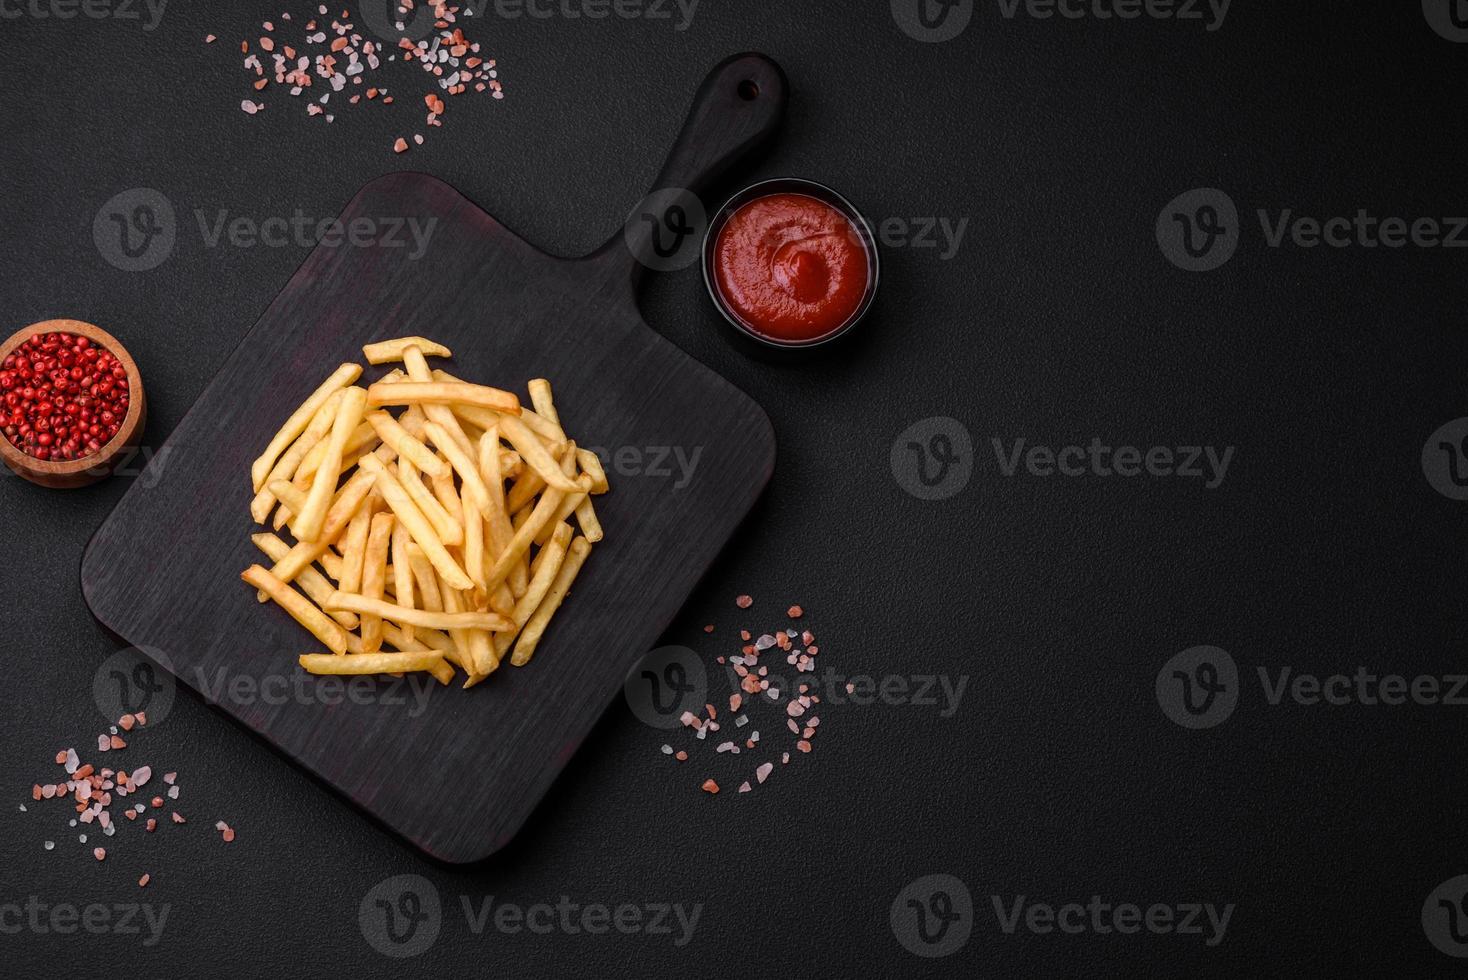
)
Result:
{"points": [[64, 397]]}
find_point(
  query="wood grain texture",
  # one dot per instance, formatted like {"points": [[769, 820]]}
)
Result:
{"points": [[461, 775]]}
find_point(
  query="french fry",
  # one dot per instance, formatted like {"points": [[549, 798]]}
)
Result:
{"points": [[446, 495], [550, 432], [523, 491], [443, 393], [402, 568], [407, 511], [363, 437], [312, 582], [590, 463], [535, 454], [547, 564], [473, 544], [534, 630], [300, 609], [309, 522], [285, 467], [572, 501], [374, 578], [371, 663], [498, 530], [445, 522], [404, 443], [289, 495], [463, 464], [300, 418], [590, 523], [354, 550], [539, 518], [540, 397], [463, 655], [418, 617], [386, 351]]}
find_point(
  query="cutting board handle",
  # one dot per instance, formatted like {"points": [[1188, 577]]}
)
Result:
{"points": [[738, 107]]}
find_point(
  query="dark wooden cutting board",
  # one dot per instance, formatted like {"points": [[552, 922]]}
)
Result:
{"points": [[459, 775]]}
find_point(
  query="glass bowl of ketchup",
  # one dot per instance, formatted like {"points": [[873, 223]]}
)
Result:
{"points": [[790, 263]]}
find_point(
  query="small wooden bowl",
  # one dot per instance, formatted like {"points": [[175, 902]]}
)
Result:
{"points": [[88, 469]]}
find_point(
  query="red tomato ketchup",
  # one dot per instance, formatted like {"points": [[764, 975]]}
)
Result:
{"points": [[791, 267]]}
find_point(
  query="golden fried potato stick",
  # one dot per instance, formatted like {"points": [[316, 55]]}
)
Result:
{"points": [[473, 544], [445, 493], [550, 502], [300, 609], [362, 439], [407, 511], [572, 501], [285, 467], [540, 397], [371, 663], [547, 564], [423, 639], [463, 655], [535, 454], [524, 491], [550, 432], [300, 418], [418, 617], [386, 351], [404, 443], [498, 530], [590, 523], [312, 582], [443, 393], [445, 522], [402, 568], [463, 464], [354, 550], [374, 578], [308, 524], [530, 637], [348, 499], [590, 463], [289, 495]]}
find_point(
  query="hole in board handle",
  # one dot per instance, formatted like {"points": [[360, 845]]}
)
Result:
{"points": [[749, 90]]}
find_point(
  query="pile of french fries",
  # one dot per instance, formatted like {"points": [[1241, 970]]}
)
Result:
{"points": [[436, 539]]}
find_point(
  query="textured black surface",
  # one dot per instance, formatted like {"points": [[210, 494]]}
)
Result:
{"points": [[1058, 320]]}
